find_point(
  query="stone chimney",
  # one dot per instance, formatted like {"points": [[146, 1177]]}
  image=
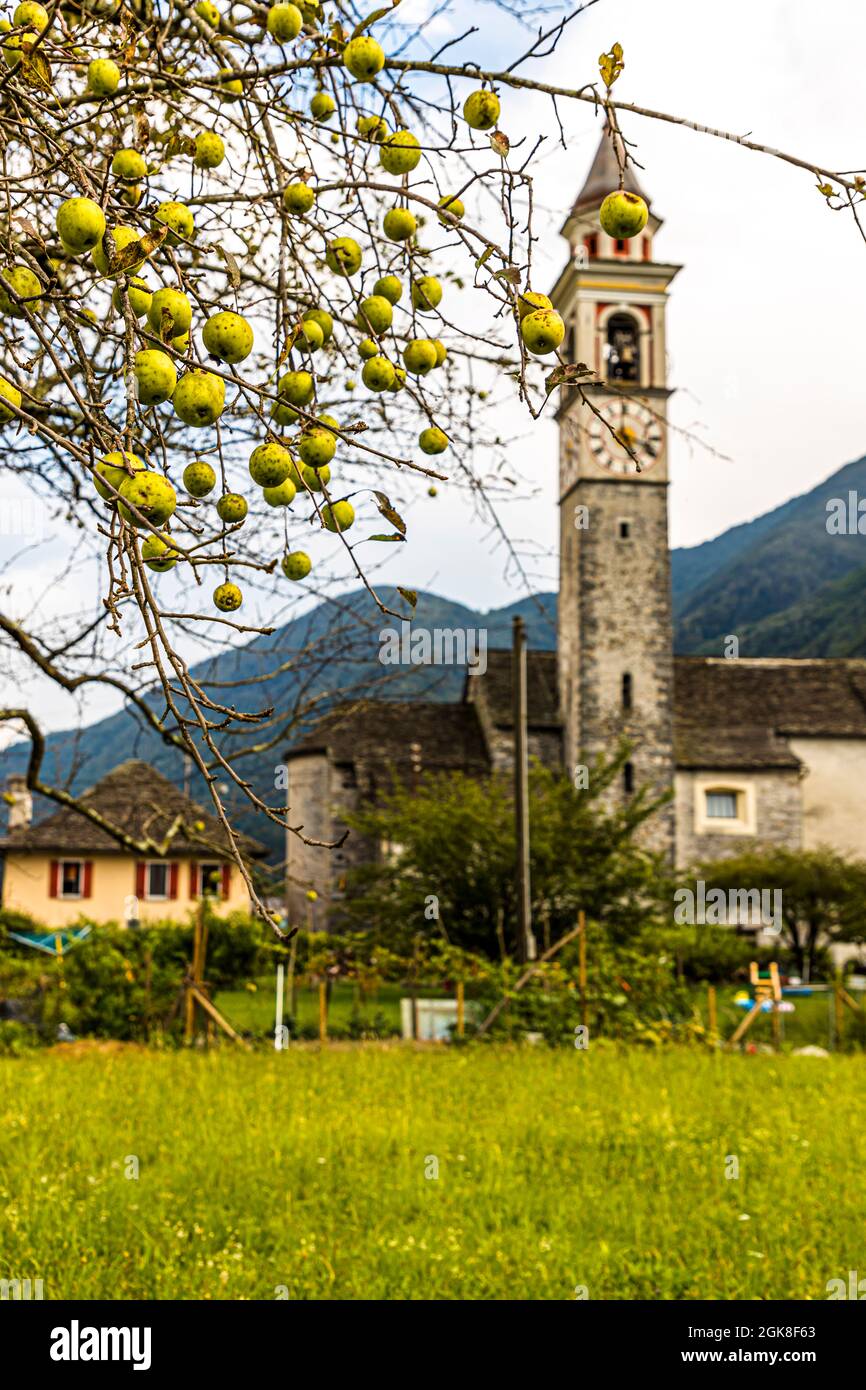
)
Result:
{"points": [[20, 803]]}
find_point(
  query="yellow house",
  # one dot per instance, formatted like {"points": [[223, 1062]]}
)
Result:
{"points": [[68, 866]]}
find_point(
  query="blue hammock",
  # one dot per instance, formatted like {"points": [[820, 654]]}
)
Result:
{"points": [[53, 943]]}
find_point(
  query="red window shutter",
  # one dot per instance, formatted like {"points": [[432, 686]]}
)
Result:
{"points": [[172, 880], [139, 880], [54, 879], [193, 879], [227, 880], [88, 879]]}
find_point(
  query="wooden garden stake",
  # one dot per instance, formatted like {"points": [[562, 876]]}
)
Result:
{"points": [[323, 1012]]}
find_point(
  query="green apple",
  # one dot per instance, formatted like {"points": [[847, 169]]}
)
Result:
{"points": [[343, 256], [298, 198], [419, 356], [400, 153], [309, 336], [433, 440], [296, 565], [131, 194], [9, 393], [199, 398], [375, 314], [316, 479], [426, 294], [227, 598], [122, 238], [209, 150], [209, 13], [26, 285], [364, 58], [80, 224], [158, 554], [30, 15], [178, 218], [322, 107], [338, 516], [199, 478], [481, 110], [373, 128], [155, 376], [317, 446], [178, 309], [542, 331], [228, 336], [284, 22], [323, 319], [453, 210], [529, 301], [399, 224], [399, 379], [151, 494], [378, 374], [270, 464], [129, 165], [389, 287], [139, 295], [623, 215], [230, 88], [232, 508], [441, 351], [367, 348], [115, 468], [293, 389], [103, 77], [283, 495]]}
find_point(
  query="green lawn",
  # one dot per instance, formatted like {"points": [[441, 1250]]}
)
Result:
{"points": [[308, 1170]]}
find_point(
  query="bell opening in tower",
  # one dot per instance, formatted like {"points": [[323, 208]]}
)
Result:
{"points": [[623, 348]]}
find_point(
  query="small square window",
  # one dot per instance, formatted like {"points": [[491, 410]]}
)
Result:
{"points": [[621, 246], [722, 806], [71, 878], [210, 878], [157, 881], [625, 530]]}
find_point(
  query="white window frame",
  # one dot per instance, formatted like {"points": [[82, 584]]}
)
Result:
{"points": [[745, 821], [72, 897], [150, 897]]}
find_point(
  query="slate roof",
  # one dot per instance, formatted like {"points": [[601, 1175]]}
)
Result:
{"points": [[405, 736], [146, 805], [542, 696], [738, 713]]}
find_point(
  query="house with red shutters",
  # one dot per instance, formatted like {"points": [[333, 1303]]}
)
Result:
{"points": [[69, 866]]}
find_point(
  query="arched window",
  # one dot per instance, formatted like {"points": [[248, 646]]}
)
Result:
{"points": [[628, 778], [623, 348], [626, 690]]}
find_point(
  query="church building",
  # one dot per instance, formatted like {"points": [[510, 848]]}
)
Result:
{"points": [[757, 752]]}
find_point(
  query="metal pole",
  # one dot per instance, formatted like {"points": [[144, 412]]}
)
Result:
{"points": [[278, 1025], [526, 940]]}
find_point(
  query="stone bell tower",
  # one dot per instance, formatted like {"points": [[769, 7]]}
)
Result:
{"points": [[615, 636]]}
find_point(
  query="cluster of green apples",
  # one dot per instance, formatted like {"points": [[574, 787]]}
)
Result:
{"points": [[165, 372]]}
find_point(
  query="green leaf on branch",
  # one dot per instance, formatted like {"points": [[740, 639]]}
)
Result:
{"points": [[394, 536], [567, 375], [388, 512], [372, 18], [410, 595], [484, 258]]}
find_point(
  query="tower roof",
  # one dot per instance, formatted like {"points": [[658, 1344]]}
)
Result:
{"points": [[603, 177]]}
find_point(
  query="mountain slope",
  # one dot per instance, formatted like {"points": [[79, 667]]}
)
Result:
{"points": [[756, 571]]}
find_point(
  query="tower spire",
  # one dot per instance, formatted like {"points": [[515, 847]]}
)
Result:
{"points": [[603, 176]]}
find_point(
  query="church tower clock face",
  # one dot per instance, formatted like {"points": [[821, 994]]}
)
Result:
{"points": [[625, 423]]}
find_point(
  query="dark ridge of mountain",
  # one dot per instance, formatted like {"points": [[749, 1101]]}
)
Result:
{"points": [[332, 652], [770, 565], [831, 622]]}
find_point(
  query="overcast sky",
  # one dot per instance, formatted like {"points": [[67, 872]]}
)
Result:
{"points": [[766, 318]]}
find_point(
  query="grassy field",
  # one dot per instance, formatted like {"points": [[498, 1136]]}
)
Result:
{"points": [[308, 1171]]}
